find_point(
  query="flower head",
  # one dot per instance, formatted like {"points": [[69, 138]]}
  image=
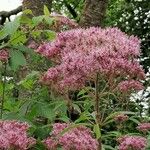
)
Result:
{"points": [[80, 53], [129, 85], [144, 127], [13, 135], [78, 138], [121, 118], [132, 142]]}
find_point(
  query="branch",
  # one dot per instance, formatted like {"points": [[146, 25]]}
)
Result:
{"points": [[7, 14]]}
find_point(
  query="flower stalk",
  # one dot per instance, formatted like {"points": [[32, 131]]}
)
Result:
{"points": [[97, 110]]}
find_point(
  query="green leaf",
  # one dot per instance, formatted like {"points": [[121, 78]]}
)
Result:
{"points": [[82, 92], [10, 28], [48, 20], [46, 11], [1, 88], [27, 11], [29, 80], [110, 118], [82, 117], [134, 120], [45, 110], [41, 133], [108, 147], [36, 34], [64, 119], [3, 34], [23, 49], [50, 35], [17, 59], [28, 84], [37, 20], [26, 20], [97, 131], [76, 107], [25, 106], [33, 75], [18, 37], [111, 134]]}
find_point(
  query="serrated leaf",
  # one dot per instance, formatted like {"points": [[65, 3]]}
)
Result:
{"points": [[29, 81], [28, 84], [23, 48], [37, 20], [36, 34], [33, 75], [46, 11], [24, 108], [27, 11], [17, 38], [45, 110], [11, 27], [48, 20], [50, 35], [26, 20], [17, 59], [3, 34]]}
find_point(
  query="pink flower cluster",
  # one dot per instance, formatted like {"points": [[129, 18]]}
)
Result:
{"points": [[13, 135], [80, 53], [129, 85], [4, 55], [78, 138], [144, 127], [132, 142], [121, 118]]}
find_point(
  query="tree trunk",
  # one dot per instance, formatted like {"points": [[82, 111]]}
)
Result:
{"points": [[93, 13], [36, 6]]}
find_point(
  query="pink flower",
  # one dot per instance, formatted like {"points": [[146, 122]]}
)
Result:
{"points": [[132, 142], [125, 86], [81, 53], [13, 135], [78, 138], [4, 55], [121, 118], [51, 143], [144, 127]]}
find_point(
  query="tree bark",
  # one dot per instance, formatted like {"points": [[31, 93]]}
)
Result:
{"points": [[93, 13], [36, 6]]}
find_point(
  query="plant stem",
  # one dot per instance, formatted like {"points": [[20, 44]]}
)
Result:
{"points": [[97, 110], [3, 93], [69, 105]]}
